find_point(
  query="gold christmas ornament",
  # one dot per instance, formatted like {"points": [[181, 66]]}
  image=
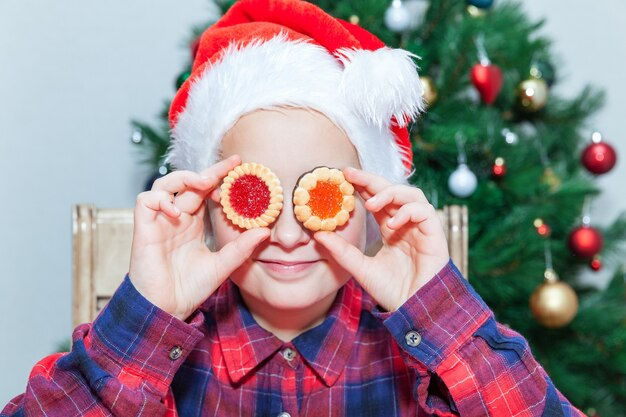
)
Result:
{"points": [[475, 11], [551, 179], [430, 90], [554, 303], [532, 94]]}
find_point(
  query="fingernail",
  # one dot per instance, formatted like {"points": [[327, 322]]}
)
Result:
{"points": [[391, 221], [176, 209], [373, 200]]}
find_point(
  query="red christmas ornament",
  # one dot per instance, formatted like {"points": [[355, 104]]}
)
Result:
{"points": [[488, 81], [585, 241], [499, 168], [596, 263], [599, 158]]}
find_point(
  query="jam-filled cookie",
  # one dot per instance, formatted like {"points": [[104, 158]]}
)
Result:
{"points": [[251, 196], [323, 199]]}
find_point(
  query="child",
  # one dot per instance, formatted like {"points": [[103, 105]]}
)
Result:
{"points": [[278, 320]]}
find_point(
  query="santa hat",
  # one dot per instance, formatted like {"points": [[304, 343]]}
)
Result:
{"points": [[264, 54]]}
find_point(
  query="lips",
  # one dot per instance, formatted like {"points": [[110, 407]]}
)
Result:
{"points": [[284, 262], [287, 268]]}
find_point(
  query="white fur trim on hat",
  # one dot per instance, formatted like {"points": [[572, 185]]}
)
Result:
{"points": [[381, 84], [282, 72]]}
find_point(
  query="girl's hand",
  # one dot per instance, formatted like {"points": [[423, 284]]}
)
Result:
{"points": [[414, 243], [170, 263]]}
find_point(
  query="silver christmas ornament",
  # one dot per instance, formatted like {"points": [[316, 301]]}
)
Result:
{"points": [[462, 181], [398, 17], [136, 136], [510, 137]]}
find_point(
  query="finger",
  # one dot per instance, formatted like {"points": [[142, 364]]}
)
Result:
{"points": [[158, 201], [366, 183], [206, 180], [397, 194], [216, 195], [348, 256], [234, 253], [189, 201], [423, 214]]}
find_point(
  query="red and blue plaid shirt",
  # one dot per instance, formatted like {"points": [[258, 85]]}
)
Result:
{"points": [[441, 354]]}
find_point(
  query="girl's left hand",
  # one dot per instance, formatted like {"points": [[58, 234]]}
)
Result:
{"points": [[414, 243]]}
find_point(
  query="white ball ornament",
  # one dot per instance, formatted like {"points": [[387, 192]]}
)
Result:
{"points": [[462, 181], [398, 17]]}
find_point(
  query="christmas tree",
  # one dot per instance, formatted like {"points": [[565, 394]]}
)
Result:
{"points": [[497, 139]]}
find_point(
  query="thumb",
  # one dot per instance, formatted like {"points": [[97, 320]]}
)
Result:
{"points": [[348, 256], [235, 253]]}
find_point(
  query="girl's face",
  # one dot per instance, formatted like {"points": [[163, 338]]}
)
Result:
{"points": [[289, 270]]}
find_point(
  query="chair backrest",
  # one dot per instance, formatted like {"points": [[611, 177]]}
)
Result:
{"points": [[102, 239]]}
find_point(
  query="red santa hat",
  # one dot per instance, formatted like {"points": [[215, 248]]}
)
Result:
{"points": [[264, 54]]}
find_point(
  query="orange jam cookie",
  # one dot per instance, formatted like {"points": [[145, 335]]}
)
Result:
{"points": [[323, 199], [251, 196]]}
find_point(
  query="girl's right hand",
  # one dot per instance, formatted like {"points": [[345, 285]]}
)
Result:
{"points": [[170, 264]]}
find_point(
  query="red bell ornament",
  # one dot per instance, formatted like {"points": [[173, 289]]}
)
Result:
{"points": [[487, 78], [598, 157], [585, 241]]}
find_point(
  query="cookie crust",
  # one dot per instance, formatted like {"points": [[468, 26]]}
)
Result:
{"points": [[323, 199], [251, 196]]}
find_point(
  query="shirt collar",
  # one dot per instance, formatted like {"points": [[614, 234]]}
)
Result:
{"points": [[325, 348]]}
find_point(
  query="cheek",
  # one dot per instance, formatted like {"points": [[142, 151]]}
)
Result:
{"points": [[354, 230], [223, 230]]}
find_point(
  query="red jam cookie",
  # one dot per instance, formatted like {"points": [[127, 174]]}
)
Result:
{"points": [[251, 196], [323, 199]]}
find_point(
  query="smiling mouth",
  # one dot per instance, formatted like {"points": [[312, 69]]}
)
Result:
{"points": [[281, 267]]}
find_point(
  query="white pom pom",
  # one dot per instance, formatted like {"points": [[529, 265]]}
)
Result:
{"points": [[380, 84]]}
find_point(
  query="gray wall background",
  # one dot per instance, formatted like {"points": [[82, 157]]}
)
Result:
{"points": [[72, 75]]}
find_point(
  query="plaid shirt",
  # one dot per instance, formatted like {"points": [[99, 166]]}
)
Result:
{"points": [[442, 353]]}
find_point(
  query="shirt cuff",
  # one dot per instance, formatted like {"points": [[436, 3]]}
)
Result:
{"points": [[439, 318], [142, 338]]}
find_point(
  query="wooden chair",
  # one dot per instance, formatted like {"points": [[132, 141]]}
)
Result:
{"points": [[102, 239]]}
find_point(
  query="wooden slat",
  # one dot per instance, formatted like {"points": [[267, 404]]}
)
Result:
{"points": [[454, 220], [102, 240], [82, 270]]}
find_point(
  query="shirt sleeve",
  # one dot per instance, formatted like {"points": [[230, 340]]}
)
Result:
{"points": [[465, 362], [122, 364]]}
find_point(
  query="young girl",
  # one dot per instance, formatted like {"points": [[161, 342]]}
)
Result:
{"points": [[213, 319]]}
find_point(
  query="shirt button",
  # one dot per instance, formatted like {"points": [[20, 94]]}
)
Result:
{"points": [[289, 354], [284, 414], [176, 352], [413, 338]]}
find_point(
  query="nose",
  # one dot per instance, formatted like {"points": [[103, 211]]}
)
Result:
{"points": [[287, 230]]}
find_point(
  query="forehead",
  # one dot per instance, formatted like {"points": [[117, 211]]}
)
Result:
{"points": [[289, 141]]}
